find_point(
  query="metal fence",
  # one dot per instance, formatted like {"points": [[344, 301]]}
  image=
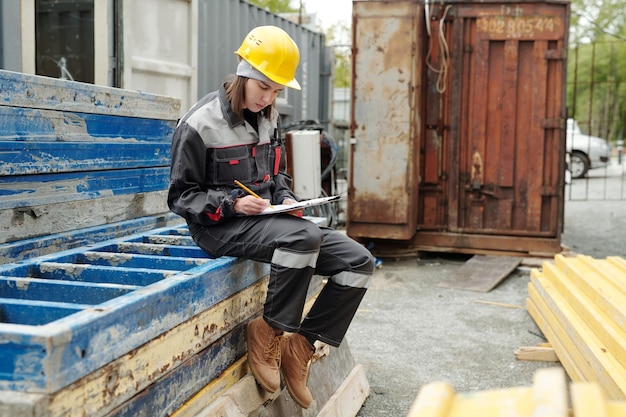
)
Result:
{"points": [[596, 100]]}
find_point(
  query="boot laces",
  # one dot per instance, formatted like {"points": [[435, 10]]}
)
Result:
{"points": [[308, 359], [272, 350]]}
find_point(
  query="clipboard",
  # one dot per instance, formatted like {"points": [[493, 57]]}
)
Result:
{"points": [[282, 208]]}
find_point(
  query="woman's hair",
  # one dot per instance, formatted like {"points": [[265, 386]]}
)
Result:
{"points": [[236, 95]]}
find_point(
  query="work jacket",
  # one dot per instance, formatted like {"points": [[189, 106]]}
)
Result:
{"points": [[211, 148]]}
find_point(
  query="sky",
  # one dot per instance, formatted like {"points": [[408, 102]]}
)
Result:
{"points": [[329, 11]]}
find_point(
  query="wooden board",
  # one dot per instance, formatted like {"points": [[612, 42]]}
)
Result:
{"points": [[481, 273], [547, 397], [338, 385]]}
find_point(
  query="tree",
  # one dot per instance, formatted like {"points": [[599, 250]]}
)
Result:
{"points": [[592, 21], [275, 6], [338, 38], [596, 91]]}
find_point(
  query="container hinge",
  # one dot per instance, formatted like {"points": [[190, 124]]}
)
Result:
{"points": [[549, 191], [556, 54], [553, 123]]}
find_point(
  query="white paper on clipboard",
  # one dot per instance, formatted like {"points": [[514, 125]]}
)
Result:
{"points": [[281, 208]]}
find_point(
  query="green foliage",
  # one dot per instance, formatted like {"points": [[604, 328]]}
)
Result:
{"points": [[338, 37], [275, 6], [596, 89]]}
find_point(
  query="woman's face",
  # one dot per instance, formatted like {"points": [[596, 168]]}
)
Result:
{"points": [[260, 94]]}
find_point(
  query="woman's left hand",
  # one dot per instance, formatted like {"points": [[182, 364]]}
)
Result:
{"points": [[297, 212]]}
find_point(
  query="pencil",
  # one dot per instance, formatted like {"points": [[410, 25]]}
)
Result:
{"points": [[246, 189], [249, 191]]}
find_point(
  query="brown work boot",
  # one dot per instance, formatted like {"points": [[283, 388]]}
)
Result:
{"points": [[264, 354], [296, 354]]}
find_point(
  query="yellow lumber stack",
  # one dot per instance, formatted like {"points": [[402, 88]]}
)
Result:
{"points": [[580, 306], [546, 398]]}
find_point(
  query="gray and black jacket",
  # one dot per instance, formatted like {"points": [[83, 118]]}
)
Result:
{"points": [[211, 148]]}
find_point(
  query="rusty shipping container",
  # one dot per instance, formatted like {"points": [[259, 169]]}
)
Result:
{"points": [[458, 115]]}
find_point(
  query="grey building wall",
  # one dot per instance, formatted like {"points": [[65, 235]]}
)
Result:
{"points": [[10, 36], [222, 26]]}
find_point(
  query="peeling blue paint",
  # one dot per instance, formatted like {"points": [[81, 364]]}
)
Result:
{"points": [[62, 340]]}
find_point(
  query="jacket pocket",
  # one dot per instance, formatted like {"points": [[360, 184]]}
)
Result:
{"points": [[225, 165]]}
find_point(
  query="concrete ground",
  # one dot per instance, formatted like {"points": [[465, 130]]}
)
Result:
{"points": [[409, 331]]}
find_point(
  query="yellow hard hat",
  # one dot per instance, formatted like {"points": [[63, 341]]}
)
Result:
{"points": [[270, 50]]}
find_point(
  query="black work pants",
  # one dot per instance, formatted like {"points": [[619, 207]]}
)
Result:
{"points": [[296, 249]]}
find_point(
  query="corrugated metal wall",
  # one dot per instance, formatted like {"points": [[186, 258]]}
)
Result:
{"points": [[222, 26]]}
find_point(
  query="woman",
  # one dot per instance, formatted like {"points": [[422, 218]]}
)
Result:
{"points": [[233, 134]]}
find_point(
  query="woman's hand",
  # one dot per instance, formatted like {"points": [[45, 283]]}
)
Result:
{"points": [[250, 205], [297, 212]]}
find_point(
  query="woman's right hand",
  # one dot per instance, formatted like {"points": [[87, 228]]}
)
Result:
{"points": [[250, 205]]}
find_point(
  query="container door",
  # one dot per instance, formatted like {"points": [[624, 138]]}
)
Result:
{"points": [[383, 176], [507, 152], [492, 157]]}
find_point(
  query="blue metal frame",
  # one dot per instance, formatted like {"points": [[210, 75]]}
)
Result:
{"points": [[49, 341]]}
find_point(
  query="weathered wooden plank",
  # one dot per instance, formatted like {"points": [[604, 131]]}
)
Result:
{"points": [[237, 373], [487, 244], [536, 353], [349, 397], [170, 392], [118, 382], [481, 273], [240, 400]]}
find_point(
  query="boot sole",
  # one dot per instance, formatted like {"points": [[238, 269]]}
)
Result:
{"points": [[254, 370]]}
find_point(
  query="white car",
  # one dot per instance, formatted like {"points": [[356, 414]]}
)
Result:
{"points": [[585, 151]]}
